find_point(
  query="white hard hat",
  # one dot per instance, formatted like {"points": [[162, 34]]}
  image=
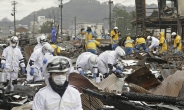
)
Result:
{"points": [[173, 33], [148, 37], [58, 65], [14, 39], [115, 27], [48, 47], [89, 26], [73, 36], [93, 59], [120, 52]]}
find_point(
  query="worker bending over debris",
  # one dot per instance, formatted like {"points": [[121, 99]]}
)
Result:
{"points": [[58, 94], [129, 46], [35, 64], [11, 58], [57, 49], [154, 44], [140, 42], [91, 46], [177, 43], [162, 44], [108, 60], [88, 61]]}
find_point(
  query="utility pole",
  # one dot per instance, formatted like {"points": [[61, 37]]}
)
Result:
{"points": [[75, 25], [14, 3], [61, 6], [54, 17], [110, 23], [34, 23]]}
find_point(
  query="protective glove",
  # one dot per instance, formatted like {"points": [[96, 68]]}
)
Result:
{"points": [[23, 70], [119, 68], [147, 50], [172, 47], [82, 73], [32, 71], [41, 69], [118, 71], [45, 61], [2, 65], [94, 75]]}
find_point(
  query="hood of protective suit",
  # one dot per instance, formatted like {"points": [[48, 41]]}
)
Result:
{"points": [[93, 61], [38, 39], [128, 38], [47, 75], [119, 52], [16, 45], [161, 34]]}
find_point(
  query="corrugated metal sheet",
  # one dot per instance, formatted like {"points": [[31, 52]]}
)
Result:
{"points": [[171, 86], [112, 84], [80, 81], [90, 103], [144, 78], [138, 89]]}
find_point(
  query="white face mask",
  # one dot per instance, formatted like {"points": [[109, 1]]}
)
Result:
{"points": [[59, 79], [13, 45]]}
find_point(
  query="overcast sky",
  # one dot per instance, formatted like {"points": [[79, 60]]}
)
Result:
{"points": [[25, 7]]}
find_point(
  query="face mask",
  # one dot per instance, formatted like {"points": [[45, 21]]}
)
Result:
{"points": [[13, 45], [42, 43], [59, 79]]}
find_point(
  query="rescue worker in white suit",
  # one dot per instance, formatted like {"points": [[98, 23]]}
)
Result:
{"points": [[11, 58], [154, 43], [58, 94], [88, 61], [35, 64], [41, 40], [108, 60]]}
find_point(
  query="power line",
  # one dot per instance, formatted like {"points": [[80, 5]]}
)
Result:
{"points": [[14, 3]]}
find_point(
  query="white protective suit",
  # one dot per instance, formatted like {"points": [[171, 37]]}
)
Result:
{"points": [[37, 56], [105, 58], [82, 63], [154, 42], [12, 57], [47, 99]]}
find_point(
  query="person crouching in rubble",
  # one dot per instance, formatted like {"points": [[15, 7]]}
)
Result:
{"points": [[58, 94], [162, 44], [140, 42], [108, 59], [11, 58], [154, 44], [41, 40], [177, 43], [88, 61], [129, 46], [57, 49], [35, 64], [91, 46]]}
